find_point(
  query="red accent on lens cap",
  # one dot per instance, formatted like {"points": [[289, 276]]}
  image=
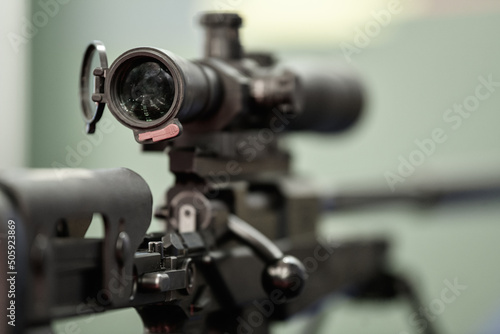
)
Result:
{"points": [[170, 131]]}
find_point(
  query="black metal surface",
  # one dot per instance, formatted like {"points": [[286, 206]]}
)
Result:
{"points": [[266, 249], [331, 267], [330, 96], [74, 263], [221, 35], [61, 271]]}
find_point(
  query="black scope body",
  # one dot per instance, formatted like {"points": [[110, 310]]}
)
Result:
{"points": [[159, 94]]}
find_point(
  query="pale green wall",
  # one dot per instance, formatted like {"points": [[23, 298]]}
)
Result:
{"points": [[13, 87], [414, 70]]}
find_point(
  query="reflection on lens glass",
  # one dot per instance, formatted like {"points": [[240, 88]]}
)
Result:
{"points": [[147, 91]]}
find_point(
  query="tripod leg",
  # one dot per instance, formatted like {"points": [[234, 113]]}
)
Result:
{"points": [[388, 286], [405, 289]]}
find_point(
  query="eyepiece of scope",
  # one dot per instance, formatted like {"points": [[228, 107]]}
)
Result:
{"points": [[147, 90], [149, 87]]}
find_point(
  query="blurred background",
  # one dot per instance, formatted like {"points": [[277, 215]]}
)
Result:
{"points": [[417, 63]]}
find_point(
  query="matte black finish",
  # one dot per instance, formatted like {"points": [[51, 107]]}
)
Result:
{"points": [[330, 96], [60, 272]]}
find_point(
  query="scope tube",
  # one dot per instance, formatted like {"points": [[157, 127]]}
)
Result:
{"points": [[329, 97]]}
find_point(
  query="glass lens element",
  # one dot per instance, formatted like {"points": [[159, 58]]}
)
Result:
{"points": [[147, 91]]}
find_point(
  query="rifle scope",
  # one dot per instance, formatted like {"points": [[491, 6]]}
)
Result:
{"points": [[158, 94]]}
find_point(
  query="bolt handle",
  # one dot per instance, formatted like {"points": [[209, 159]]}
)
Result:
{"points": [[284, 273]]}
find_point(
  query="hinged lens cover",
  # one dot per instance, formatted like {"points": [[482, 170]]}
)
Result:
{"points": [[94, 65]]}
